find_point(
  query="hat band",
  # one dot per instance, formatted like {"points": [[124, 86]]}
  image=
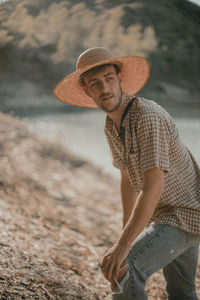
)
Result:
{"points": [[90, 58]]}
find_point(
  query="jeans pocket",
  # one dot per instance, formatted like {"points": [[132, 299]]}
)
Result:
{"points": [[120, 285]]}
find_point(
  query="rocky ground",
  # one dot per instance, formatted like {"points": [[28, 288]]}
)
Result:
{"points": [[58, 216]]}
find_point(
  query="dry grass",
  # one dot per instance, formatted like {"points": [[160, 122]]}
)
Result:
{"points": [[58, 216]]}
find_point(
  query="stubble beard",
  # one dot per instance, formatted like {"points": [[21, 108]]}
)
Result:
{"points": [[115, 107]]}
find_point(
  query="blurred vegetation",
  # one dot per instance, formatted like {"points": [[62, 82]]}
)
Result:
{"points": [[41, 40], [177, 29]]}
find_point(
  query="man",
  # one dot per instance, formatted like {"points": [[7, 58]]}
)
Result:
{"points": [[160, 180]]}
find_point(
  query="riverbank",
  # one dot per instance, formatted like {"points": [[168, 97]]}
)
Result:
{"points": [[58, 216], [83, 133]]}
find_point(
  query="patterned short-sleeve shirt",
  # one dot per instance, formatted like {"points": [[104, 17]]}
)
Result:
{"points": [[148, 139]]}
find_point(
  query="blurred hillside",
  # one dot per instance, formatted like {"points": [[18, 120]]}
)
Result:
{"points": [[40, 41]]}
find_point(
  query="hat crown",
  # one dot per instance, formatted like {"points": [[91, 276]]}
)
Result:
{"points": [[92, 56]]}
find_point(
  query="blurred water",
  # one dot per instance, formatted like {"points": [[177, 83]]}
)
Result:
{"points": [[83, 134]]}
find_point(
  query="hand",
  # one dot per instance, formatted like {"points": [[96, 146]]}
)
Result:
{"points": [[122, 272], [113, 260]]}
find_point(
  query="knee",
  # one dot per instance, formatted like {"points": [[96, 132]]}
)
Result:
{"points": [[137, 268]]}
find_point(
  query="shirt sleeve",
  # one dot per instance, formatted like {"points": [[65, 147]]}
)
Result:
{"points": [[117, 163], [153, 142]]}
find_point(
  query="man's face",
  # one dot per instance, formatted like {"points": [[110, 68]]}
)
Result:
{"points": [[103, 86]]}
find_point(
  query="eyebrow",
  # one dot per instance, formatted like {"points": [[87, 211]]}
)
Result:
{"points": [[107, 74]]}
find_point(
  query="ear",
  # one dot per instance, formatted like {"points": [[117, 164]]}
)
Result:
{"points": [[119, 75]]}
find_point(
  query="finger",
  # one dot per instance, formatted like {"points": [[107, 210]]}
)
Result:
{"points": [[106, 269], [105, 259], [116, 271], [105, 265], [103, 269], [110, 271]]}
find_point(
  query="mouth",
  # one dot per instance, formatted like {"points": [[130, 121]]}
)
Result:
{"points": [[107, 98]]}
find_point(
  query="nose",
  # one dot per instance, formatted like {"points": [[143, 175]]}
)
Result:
{"points": [[105, 87]]}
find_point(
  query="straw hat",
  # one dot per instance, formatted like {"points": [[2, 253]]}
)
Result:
{"points": [[134, 73]]}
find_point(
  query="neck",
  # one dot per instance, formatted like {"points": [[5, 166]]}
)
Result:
{"points": [[117, 114]]}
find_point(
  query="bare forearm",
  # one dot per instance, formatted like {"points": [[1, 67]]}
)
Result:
{"points": [[128, 202], [146, 202], [142, 212], [128, 197]]}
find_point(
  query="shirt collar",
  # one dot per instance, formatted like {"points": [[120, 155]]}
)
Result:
{"points": [[109, 123]]}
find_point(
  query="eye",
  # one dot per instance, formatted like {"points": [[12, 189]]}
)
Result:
{"points": [[110, 78], [94, 84]]}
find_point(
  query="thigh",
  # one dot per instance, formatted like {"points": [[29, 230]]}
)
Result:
{"points": [[180, 274], [156, 247]]}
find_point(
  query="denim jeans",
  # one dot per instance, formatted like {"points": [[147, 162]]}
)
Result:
{"points": [[158, 247]]}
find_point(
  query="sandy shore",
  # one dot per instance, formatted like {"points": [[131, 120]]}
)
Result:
{"points": [[58, 216]]}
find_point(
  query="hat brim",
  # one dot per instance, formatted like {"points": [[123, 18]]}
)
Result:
{"points": [[134, 71]]}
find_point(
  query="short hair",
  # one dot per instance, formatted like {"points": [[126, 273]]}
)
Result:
{"points": [[97, 68]]}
